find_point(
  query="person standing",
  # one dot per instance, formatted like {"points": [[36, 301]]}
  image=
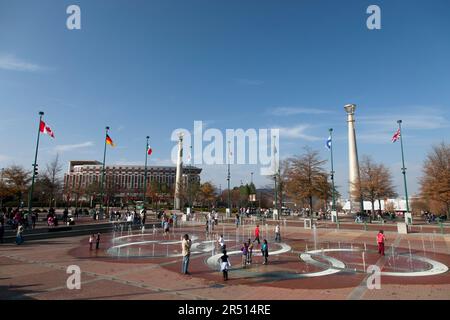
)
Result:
{"points": [[381, 240], [2, 227], [277, 233], [97, 245], [249, 251], [257, 234], [244, 250], [91, 241], [224, 265], [265, 251], [221, 242], [186, 253], [237, 220]]}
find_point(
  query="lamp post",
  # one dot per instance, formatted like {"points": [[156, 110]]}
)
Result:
{"points": [[145, 172], [275, 181], [190, 178], [103, 172], [403, 165], [30, 195]]}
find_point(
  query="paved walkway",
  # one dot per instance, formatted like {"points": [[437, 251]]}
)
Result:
{"points": [[37, 269]]}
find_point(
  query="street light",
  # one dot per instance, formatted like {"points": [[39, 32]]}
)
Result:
{"points": [[30, 195]]}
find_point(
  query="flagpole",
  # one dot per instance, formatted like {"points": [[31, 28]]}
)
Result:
{"points": [[228, 180], [103, 170], [145, 173], [333, 203], [275, 180], [30, 194], [403, 165]]}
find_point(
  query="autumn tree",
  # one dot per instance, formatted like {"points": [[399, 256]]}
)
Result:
{"points": [[435, 182], [304, 176], [207, 194], [17, 180]]}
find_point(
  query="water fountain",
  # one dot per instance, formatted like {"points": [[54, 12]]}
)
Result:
{"points": [[432, 237], [314, 228], [364, 261], [393, 256], [423, 245], [410, 257]]}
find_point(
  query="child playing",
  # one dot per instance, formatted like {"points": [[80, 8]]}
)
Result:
{"points": [[224, 265]]}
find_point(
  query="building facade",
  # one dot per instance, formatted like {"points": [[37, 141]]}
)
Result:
{"points": [[122, 180]]}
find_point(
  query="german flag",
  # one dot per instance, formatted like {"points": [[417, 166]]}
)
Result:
{"points": [[109, 141]]}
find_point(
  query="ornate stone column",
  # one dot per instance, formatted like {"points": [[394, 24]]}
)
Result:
{"points": [[353, 172], [179, 172]]}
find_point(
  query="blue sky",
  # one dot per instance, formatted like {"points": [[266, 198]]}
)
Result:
{"points": [[149, 67]]}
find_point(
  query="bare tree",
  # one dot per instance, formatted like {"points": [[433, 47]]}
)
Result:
{"points": [[375, 182], [435, 182]]}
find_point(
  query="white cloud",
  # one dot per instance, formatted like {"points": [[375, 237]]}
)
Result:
{"points": [[71, 147], [4, 158], [297, 132], [410, 122], [289, 111], [11, 62]]}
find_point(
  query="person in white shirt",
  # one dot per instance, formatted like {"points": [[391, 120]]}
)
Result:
{"points": [[221, 242], [277, 233]]}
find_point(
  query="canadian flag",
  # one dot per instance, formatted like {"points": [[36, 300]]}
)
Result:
{"points": [[46, 129], [396, 135], [149, 150]]}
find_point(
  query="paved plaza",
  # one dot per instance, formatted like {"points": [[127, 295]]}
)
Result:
{"points": [[307, 264]]}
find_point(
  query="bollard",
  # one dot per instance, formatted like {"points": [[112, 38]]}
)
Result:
{"points": [[365, 226], [441, 225]]}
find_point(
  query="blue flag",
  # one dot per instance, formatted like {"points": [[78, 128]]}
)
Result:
{"points": [[328, 145]]}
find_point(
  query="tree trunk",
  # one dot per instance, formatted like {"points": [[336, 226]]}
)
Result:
{"points": [[373, 209], [448, 211]]}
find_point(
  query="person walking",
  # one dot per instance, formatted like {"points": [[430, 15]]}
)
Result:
{"points": [[186, 253], [91, 241], [237, 220], [225, 264], [277, 233], [265, 251], [257, 234], [166, 227], [244, 250], [380, 241], [97, 245], [19, 236]]}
